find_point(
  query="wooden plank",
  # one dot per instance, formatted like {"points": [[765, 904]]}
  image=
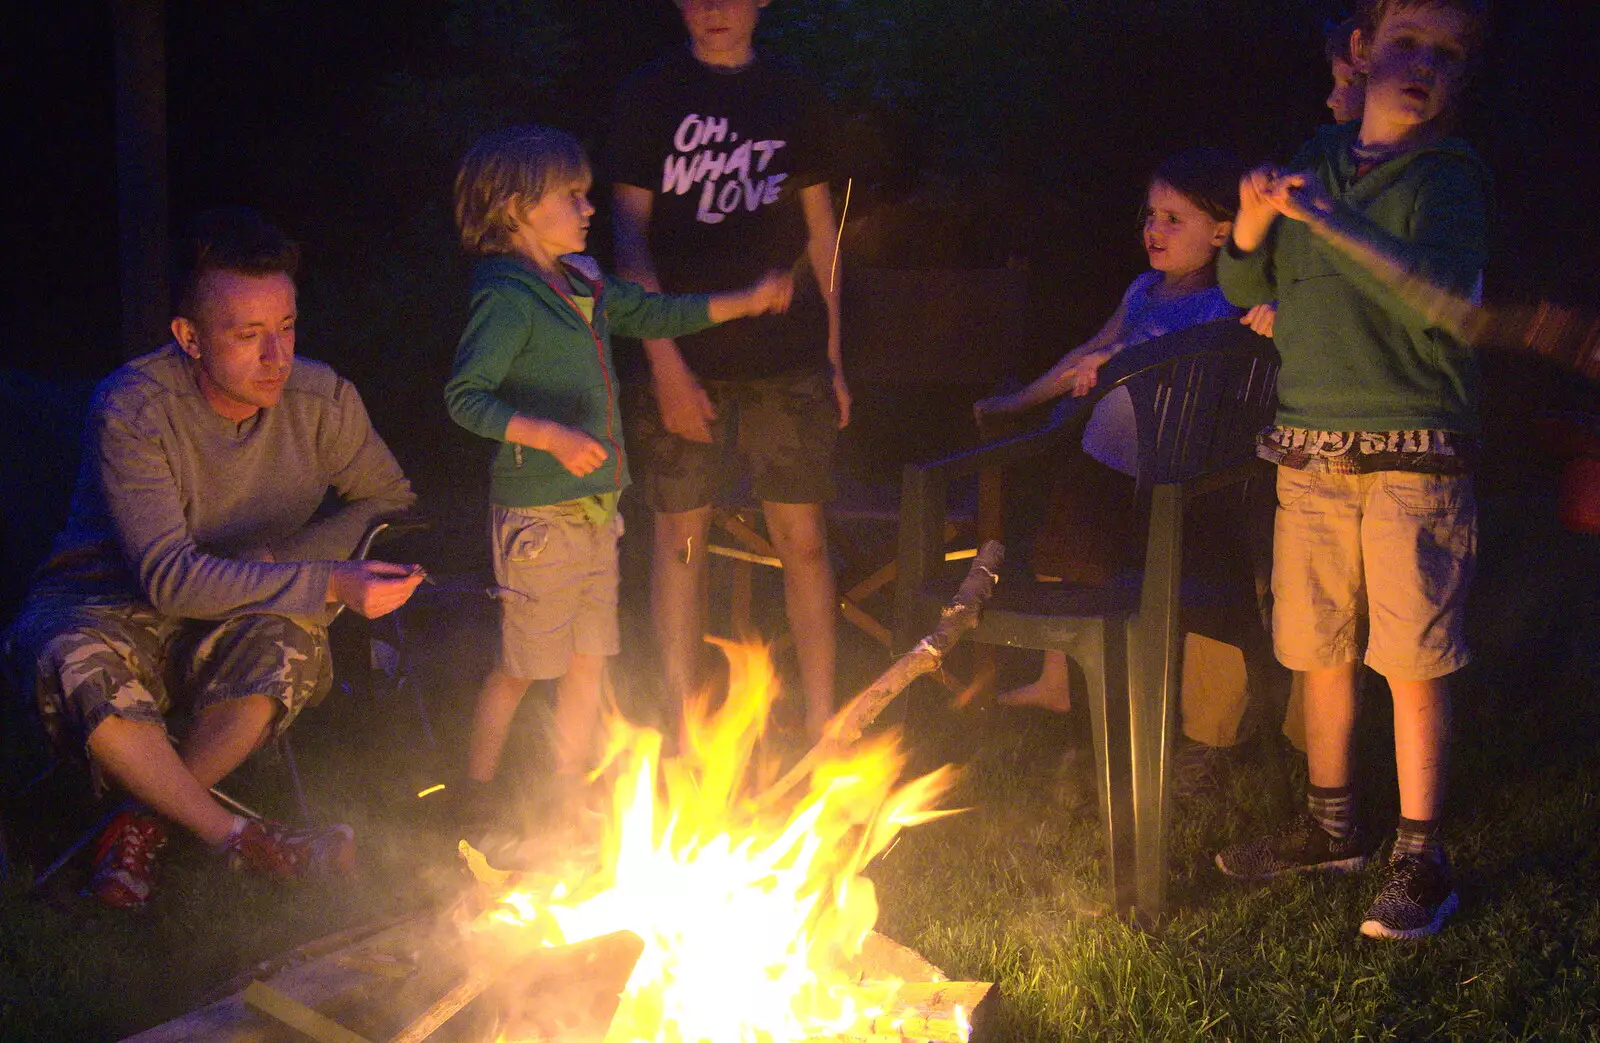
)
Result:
{"points": [[330, 980], [274, 1004]]}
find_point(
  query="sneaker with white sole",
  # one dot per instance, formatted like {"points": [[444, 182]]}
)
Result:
{"points": [[125, 860], [1415, 899], [1301, 847], [292, 854]]}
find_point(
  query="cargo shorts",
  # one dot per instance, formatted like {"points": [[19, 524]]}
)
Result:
{"points": [[92, 661], [1379, 562], [555, 574], [782, 428]]}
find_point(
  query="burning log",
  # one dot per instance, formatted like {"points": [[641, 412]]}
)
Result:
{"points": [[935, 1012], [568, 992], [955, 619]]}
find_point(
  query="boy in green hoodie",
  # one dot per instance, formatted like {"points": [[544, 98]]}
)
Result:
{"points": [[1376, 434], [534, 372]]}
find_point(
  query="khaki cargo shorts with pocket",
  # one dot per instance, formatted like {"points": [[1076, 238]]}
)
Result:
{"points": [[555, 573], [1379, 561]]}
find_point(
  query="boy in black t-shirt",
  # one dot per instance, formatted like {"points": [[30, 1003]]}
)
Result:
{"points": [[721, 167]]}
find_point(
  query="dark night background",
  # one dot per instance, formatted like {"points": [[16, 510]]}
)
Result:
{"points": [[976, 132]]}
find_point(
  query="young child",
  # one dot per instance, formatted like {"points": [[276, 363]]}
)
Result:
{"points": [[1086, 539], [1377, 428], [1345, 99], [1349, 93], [534, 372]]}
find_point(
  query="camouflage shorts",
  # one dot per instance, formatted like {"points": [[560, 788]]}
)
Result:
{"points": [[90, 662], [783, 428]]}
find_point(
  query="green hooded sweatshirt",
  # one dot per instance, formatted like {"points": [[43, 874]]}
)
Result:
{"points": [[528, 349], [1355, 357]]}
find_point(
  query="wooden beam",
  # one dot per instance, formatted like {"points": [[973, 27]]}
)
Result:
{"points": [[143, 248]]}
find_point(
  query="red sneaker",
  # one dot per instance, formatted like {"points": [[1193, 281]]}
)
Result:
{"points": [[125, 860], [293, 854]]}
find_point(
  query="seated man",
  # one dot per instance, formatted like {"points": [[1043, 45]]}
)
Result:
{"points": [[195, 571]]}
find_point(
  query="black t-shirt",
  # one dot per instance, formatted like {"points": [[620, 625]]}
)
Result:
{"points": [[726, 154]]}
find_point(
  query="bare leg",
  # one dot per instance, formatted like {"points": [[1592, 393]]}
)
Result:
{"points": [[138, 757], [224, 735], [799, 533], [1051, 691], [498, 700], [677, 585], [1330, 706], [1421, 736], [577, 713]]}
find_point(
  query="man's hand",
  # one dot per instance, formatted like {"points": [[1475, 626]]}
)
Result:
{"points": [[372, 588], [841, 396], [1260, 318], [686, 409], [576, 450]]}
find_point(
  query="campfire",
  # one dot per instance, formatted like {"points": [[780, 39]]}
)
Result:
{"points": [[752, 912], [723, 902]]}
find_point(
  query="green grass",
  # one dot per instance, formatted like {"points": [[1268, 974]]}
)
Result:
{"points": [[1006, 893]]}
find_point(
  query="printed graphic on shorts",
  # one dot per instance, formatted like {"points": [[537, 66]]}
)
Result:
{"points": [[729, 170]]}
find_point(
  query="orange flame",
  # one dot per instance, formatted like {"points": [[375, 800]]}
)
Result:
{"points": [[751, 915]]}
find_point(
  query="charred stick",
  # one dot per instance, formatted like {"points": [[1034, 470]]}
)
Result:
{"points": [[955, 619]]}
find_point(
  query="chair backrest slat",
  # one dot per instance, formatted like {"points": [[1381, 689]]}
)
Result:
{"points": [[1199, 398]]}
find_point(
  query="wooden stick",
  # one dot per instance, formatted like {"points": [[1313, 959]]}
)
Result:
{"points": [[961, 615], [446, 1007], [297, 1015]]}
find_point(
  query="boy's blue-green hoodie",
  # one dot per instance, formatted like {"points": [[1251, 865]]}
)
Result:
{"points": [[1355, 357], [528, 349]]}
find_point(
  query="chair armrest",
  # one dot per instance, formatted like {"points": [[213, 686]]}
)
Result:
{"points": [[391, 527]]}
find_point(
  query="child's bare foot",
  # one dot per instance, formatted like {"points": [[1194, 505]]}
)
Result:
{"points": [[1052, 691], [1039, 693]]}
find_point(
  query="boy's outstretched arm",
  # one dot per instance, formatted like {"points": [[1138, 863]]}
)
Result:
{"points": [[686, 409], [821, 236], [770, 293]]}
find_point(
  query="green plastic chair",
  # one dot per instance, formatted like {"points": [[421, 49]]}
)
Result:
{"points": [[1200, 396]]}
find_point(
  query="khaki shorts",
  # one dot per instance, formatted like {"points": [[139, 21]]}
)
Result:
{"points": [[90, 662], [1378, 561], [783, 429], [556, 576]]}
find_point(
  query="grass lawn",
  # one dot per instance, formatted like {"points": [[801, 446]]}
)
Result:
{"points": [[1005, 893]]}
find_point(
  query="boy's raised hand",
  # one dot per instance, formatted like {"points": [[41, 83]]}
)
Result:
{"points": [[1256, 208], [577, 451], [1300, 195]]}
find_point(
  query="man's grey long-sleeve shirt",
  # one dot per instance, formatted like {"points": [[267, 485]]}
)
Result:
{"points": [[171, 496]]}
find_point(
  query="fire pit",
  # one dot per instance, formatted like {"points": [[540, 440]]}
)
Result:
{"points": [[723, 902]]}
